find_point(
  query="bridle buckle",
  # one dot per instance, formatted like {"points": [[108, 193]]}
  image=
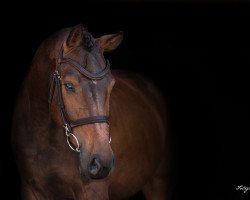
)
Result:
{"points": [[67, 131]]}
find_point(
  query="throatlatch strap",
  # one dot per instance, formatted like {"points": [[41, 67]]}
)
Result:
{"points": [[51, 89]]}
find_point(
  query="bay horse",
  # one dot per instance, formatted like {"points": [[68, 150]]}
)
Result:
{"points": [[82, 131]]}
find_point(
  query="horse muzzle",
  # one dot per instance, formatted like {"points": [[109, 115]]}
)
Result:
{"points": [[97, 167]]}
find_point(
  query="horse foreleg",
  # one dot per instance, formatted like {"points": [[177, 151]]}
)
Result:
{"points": [[158, 186], [95, 190], [156, 189], [28, 193]]}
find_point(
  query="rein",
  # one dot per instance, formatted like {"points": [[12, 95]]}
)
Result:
{"points": [[68, 124]]}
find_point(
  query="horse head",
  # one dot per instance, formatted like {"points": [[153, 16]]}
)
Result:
{"points": [[82, 83]]}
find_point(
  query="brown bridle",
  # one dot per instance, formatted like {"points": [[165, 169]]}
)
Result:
{"points": [[56, 82]]}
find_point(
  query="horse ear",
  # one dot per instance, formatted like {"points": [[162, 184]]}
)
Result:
{"points": [[75, 37], [109, 42]]}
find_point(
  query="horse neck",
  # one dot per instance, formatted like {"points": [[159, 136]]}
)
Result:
{"points": [[37, 82]]}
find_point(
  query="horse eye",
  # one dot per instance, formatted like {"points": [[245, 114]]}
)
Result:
{"points": [[69, 87]]}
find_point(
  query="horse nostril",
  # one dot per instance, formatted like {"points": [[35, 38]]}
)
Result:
{"points": [[99, 169], [94, 167]]}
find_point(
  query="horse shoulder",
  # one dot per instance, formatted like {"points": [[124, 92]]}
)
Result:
{"points": [[138, 128]]}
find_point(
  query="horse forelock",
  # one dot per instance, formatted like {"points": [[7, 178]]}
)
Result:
{"points": [[87, 44], [88, 40]]}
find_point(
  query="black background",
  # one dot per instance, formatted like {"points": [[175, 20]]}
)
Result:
{"points": [[196, 53]]}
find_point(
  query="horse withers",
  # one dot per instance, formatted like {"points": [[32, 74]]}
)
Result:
{"points": [[82, 131]]}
